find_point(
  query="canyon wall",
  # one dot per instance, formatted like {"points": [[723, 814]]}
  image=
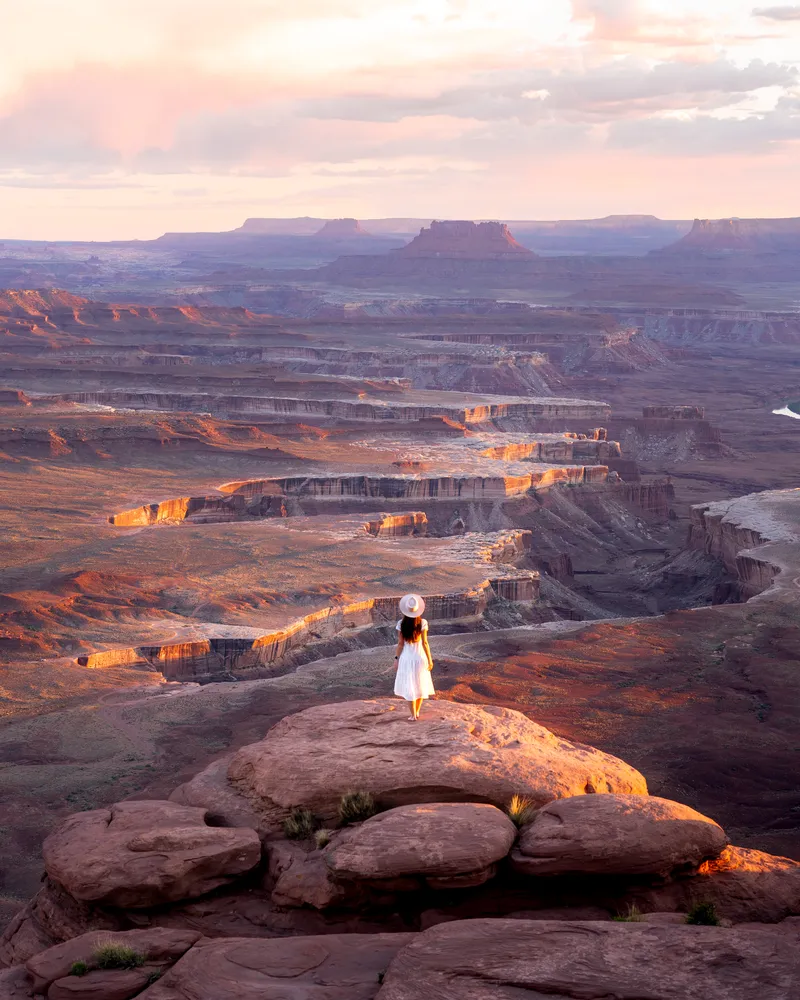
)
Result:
{"points": [[362, 623]]}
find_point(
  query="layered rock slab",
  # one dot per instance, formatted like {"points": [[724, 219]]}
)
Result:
{"points": [[158, 946], [511, 959], [328, 967], [445, 843], [610, 834], [139, 854], [456, 753]]}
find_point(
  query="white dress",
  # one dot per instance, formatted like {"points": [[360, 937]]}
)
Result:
{"points": [[413, 678]]}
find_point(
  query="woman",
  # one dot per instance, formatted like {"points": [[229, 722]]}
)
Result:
{"points": [[414, 661]]}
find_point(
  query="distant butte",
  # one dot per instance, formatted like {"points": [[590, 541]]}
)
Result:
{"points": [[744, 235], [465, 240], [342, 229]]}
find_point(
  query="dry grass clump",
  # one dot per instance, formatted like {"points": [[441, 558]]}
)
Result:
{"points": [[322, 838], [520, 810], [78, 969], [300, 824], [115, 955], [355, 807], [704, 915], [633, 915]]}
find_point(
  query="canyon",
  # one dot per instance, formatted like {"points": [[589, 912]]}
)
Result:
{"points": [[211, 508]]}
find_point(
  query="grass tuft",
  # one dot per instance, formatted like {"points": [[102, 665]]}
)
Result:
{"points": [[300, 824], [114, 955], [704, 915], [322, 838], [355, 807], [520, 810], [78, 969], [633, 915]]}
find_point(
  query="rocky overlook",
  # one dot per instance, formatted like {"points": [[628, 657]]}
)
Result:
{"points": [[459, 821]]}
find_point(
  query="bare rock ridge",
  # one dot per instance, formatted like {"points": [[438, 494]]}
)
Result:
{"points": [[341, 229], [465, 241], [217, 893], [739, 235]]}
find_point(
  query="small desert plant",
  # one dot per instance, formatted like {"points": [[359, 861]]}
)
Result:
{"points": [[115, 955], [520, 810], [633, 915], [322, 838], [704, 914], [154, 977], [300, 824], [355, 807], [78, 969]]}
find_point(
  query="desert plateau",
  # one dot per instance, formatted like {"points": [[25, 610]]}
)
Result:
{"points": [[399, 501]]}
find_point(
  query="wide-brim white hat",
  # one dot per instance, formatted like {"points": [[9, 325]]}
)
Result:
{"points": [[412, 605]]}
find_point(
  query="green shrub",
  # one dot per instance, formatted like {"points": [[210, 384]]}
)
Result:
{"points": [[633, 915], [115, 955], [322, 838], [154, 977], [520, 810], [703, 914], [78, 969], [300, 824], [355, 807]]}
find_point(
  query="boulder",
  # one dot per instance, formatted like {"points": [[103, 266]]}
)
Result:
{"points": [[560, 960], [145, 853], [455, 753], [743, 885], [328, 967], [158, 945], [451, 844], [610, 834], [301, 877], [102, 984], [211, 790]]}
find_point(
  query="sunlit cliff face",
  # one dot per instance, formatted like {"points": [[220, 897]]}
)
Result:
{"points": [[129, 118]]}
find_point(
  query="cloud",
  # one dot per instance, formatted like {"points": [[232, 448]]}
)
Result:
{"points": [[778, 13]]}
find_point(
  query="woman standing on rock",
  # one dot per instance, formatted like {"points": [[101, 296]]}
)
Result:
{"points": [[414, 661]]}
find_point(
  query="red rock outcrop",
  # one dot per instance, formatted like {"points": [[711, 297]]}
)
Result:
{"points": [[565, 960], [328, 967], [465, 240], [140, 854], [446, 844], [616, 834], [462, 753]]}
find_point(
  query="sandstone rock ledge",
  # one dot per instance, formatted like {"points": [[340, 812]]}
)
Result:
{"points": [[456, 753], [510, 959], [239, 912]]}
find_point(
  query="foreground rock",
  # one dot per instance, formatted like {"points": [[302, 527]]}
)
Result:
{"points": [[742, 884], [609, 834], [455, 753], [510, 959], [447, 844], [330, 967], [159, 947], [139, 854]]}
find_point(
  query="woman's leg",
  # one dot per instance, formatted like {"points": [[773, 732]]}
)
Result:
{"points": [[413, 708], [417, 707]]}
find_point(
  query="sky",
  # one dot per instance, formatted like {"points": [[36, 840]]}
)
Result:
{"points": [[124, 119]]}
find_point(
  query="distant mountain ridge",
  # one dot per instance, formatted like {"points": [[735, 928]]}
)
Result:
{"points": [[742, 235]]}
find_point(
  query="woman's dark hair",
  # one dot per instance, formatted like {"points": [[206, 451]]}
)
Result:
{"points": [[411, 628]]}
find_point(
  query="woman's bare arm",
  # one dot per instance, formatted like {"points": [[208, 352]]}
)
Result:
{"points": [[400, 643], [427, 649]]}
